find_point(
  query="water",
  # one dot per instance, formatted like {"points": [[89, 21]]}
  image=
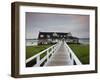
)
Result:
{"points": [[84, 40], [31, 42]]}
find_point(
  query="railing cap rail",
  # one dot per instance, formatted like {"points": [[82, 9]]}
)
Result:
{"points": [[73, 54]]}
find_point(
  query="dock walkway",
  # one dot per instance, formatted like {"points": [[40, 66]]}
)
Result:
{"points": [[60, 58]]}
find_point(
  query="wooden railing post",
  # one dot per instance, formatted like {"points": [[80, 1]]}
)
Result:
{"points": [[38, 60], [47, 55]]}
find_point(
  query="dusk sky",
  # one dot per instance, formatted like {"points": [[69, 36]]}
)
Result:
{"points": [[78, 25]]}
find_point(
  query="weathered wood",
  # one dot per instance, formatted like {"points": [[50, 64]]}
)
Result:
{"points": [[60, 58]]}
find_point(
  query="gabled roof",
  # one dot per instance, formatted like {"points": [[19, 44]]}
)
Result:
{"points": [[51, 34], [60, 33]]}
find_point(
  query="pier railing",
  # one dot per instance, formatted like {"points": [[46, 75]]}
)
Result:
{"points": [[74, 59], [41, 58]]}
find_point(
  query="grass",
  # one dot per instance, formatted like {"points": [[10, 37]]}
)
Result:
{"points": [[81, 51], [33, 50]]}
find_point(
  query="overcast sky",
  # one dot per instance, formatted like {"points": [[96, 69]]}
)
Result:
{"points": [[78, 25]]}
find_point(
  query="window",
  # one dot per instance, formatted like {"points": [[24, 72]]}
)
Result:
{"points": [[64, 35], [48, 36], [41, 36], [61, 35]]}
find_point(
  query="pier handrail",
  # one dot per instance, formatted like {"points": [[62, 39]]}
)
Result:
{"points": [[49, 51], [73, 57]]}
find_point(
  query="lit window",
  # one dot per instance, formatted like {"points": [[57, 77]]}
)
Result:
{"points": [[61, 35], [41, 35]]}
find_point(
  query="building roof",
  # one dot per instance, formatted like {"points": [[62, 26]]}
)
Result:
{"points": [[72, 37], [47, 35], [60, 33]]}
